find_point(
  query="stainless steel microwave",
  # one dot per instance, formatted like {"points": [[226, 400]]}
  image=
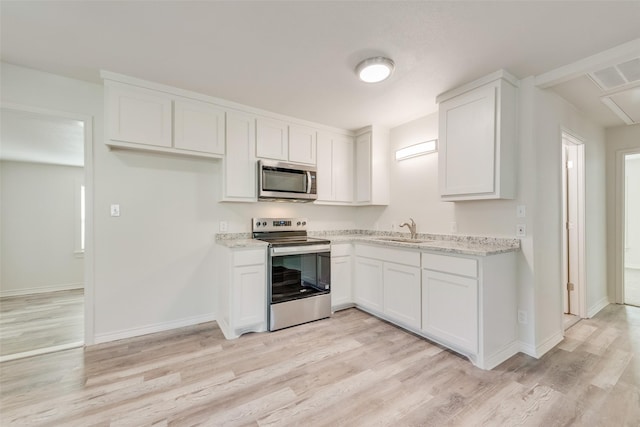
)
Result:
{"points": [[280, 181]]}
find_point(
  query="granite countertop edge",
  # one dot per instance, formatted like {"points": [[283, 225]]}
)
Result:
{"points": [[446, 243]]}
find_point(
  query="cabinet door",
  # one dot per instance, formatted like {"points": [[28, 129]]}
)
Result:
{"points": [[368, 284], [450, 309], [198, 126], [324, 179], [138, 115], [402, 294], [239, 162], [363, 168], [302, 144], [342, 160], [340, 280], [272, 139], [467, 152], [249, 295]]}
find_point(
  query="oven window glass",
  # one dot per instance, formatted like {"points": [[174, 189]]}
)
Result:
{"points": [[299, 276], [284, 180]]}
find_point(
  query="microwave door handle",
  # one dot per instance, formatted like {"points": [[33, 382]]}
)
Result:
{"points": [[308, 182]]}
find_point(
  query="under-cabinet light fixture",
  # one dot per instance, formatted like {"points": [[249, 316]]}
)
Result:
{"points": [[374, 70], [417, 149]]}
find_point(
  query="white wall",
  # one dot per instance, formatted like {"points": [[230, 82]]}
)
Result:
{"points": [[552, 115], [153, 265], [620, 139], [632, 235], [40, 228]]}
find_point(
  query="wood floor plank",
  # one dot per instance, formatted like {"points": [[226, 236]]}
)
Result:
{"points": [[349, 370]]}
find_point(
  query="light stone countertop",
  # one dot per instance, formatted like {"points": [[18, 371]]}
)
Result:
{"points": [[453, 244]]}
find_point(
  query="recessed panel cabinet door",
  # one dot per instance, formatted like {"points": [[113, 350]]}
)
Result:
{"points": [[363, 168], [340, 280], [342, 159], [198, 126], [368, 285], [467, 152], [402, 294], [302, 144], [138, 115], [249, 295], [450, 309], [272, 139], [240, 167]]}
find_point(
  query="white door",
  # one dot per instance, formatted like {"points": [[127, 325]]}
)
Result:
{"points": [[198, 126], [249, 295], [402, 294], [302, 144], [272, 139], [368, 283]]}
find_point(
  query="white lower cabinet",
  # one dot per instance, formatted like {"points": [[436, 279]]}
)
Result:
{"points": [[402, 293], [368, 284], [450, 309], [467, 303], [242, 294], [341, 271]]}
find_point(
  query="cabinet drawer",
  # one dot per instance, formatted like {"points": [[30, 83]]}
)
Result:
{"points": [[397, 256], [250, 257], [450, 264], [343, 249]]}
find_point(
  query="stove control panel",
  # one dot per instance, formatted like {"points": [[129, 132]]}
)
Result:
{"points": [[278, 224]]}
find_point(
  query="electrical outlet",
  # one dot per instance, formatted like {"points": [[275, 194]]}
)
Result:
{"points": [[115, 210], [521, 230], [224, 226], [522, 317], [521, 211]]}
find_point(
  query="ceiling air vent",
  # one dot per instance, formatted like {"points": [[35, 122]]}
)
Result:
{"points": [[618, 75], [621, 86]]}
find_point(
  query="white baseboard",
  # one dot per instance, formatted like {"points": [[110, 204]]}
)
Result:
{"points": [[150, 329], [595, 308], [501, 355], [539, 350], [40, 289]]}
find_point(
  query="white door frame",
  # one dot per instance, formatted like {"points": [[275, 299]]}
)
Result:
{"points": [[88, 185], [620, 191], [570, 138]]}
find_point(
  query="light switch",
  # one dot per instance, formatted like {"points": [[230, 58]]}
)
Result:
{"points": [[115, 210], [224, 226]]}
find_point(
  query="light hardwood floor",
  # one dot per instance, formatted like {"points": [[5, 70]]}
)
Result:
{"points": [[350, 370], [32, 324]]}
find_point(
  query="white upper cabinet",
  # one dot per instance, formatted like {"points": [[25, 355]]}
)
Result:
{"points": [[198, 126], [137, 115], [477, 139], [372, 166], [278, 140], [302, 144], [272, 139], [147, 119], [240, 168], [335, 168]]}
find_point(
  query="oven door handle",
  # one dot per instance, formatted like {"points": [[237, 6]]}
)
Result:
{"points": [[297, 250]]}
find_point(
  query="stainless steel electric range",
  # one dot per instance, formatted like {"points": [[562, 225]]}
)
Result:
{"points": [[299, 289]]}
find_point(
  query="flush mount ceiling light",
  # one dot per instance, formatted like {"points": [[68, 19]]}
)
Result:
{"points": [[374, 70], [417, 150]]}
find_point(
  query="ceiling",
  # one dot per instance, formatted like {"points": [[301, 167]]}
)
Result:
{"points": [[298, 57]]}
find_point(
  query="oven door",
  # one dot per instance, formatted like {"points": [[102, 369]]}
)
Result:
{"points": [[298, 272]]}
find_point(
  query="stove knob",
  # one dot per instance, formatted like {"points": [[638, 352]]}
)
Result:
{"points": [[298, 224], [304, 222], [264, 223], [258, 224]]}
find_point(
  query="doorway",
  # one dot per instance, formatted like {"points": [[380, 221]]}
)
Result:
{"points": [[631, 232], [573, 236], [45, 230]]}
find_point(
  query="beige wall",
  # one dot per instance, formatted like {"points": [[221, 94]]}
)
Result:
{"points": [[40, 228]]}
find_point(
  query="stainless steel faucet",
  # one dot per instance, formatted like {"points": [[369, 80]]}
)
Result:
{"points": [[412, 228]]}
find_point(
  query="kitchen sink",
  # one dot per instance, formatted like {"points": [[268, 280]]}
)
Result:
{"points": [[404, 240]]}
